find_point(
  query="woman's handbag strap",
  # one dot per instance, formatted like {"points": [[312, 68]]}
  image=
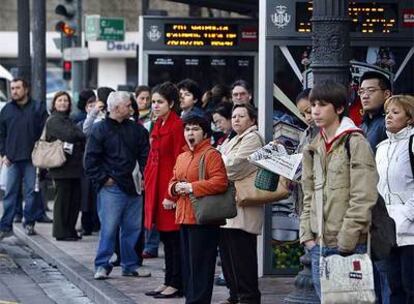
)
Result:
{"points": [[201, 167]]}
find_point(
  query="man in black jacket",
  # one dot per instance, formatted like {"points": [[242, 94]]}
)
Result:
{"points": [[21, 123], [114, 147]]}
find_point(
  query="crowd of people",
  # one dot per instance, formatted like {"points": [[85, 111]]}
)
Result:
{"points": [[132, 167]]}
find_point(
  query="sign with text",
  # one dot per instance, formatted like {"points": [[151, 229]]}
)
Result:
{"points": [[200, 34], [76, 54], [104, 28]]}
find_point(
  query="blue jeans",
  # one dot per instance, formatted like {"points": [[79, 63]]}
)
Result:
{"points": [[39, 211], [326, 251], [152, 240], [17, 172], [382, 288], [118, 211]]}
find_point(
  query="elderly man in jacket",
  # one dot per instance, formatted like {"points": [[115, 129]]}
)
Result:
{"points": [[114, 147]]}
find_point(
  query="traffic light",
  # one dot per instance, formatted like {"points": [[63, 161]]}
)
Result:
{"points": [[67, 70], [68, 26]]}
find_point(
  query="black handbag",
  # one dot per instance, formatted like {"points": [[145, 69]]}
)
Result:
{"points": [[213, 209]]}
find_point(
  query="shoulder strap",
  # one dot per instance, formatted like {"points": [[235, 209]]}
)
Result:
{"points": [[348, 152], [348, 145], [201, 167], [411, 152], [43, 135], [318, 188]]}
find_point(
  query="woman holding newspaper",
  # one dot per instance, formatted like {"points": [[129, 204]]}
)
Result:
{"points": [[238, 238]]}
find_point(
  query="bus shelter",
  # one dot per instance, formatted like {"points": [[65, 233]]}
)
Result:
{"points": [[382, 39]]}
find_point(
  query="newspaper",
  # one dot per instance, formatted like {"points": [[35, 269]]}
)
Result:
{"points": [[273, 157]]}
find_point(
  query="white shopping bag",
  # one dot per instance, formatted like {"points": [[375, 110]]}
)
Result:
{"points": [[3, 177]]}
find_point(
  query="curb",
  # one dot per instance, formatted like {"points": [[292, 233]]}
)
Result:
{"points": [[98, 291]]}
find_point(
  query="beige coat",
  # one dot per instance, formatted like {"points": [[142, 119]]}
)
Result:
{"points": [[235, 153], [349, 191]]}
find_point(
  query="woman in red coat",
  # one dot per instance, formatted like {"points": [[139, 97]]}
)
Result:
{"points": [[167, 142]]}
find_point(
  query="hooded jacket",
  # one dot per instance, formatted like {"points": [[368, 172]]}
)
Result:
{"points": [[349, 188], [396, 182]]}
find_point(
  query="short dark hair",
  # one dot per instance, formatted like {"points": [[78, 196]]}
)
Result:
{"points": [[57, 95], [220, 91], [224, 109], [251, 111], [383, 82], [330, 92], [103, 93], [197, 120], [303, 95], [85, 96], [169, 91], [142, 88], [192, 87], [242, 83], [25, 83]]}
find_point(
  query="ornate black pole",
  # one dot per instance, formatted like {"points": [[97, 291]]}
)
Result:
{"points": [[330, 41], [23, 29], [330, 60]]}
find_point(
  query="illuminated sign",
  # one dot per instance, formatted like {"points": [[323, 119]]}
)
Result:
{"points": [[196, 34], [201, 35], [408, 18], [369, 17]]}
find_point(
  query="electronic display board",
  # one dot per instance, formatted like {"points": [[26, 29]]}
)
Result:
{"points": [[200, 34], [222, 35], [366, 17]]}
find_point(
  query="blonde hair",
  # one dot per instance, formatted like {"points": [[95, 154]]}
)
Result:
{"points": [[406, 102]]}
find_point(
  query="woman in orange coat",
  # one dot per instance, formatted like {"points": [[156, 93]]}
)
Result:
{"points": [[167, 141], [198, 242]]}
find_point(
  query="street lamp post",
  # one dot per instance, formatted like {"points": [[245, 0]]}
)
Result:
{"points": [[330, 41], [23, 28]]}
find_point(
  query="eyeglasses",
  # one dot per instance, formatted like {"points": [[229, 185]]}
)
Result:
{"points": [[368, 91]]}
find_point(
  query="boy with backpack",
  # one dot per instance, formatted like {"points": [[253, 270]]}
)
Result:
{"points": [[348, 182]]}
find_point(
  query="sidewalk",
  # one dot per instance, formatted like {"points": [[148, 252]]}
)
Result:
{"points": [[75, 261]]}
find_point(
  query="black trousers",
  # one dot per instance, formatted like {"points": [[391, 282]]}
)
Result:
{"points": [[66, 207], [199, 252], [401, 275], [172, 252], [238, 251], [89, 219]]}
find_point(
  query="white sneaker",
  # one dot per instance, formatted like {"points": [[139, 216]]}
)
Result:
{"points": [[101, 274]]}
